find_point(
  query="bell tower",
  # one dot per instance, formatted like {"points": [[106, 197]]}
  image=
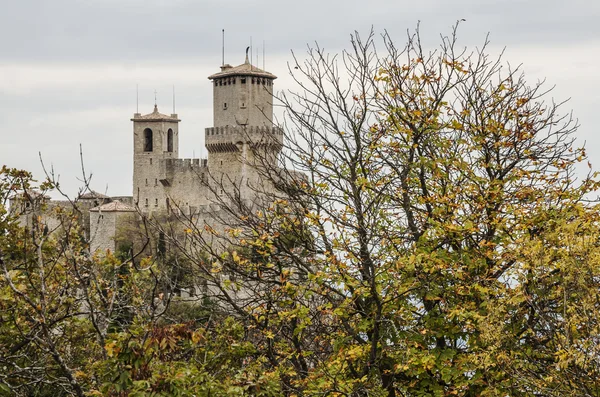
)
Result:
{"points": [[155, 138]]}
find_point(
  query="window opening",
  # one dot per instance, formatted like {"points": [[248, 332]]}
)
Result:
{"points": [[146, 202], [170, 140], [243, 80], [147, 140]]}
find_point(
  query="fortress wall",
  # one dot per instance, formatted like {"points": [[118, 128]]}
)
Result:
{"points": [[187, 179], [103, 226], [171, 167], [124, 199]]}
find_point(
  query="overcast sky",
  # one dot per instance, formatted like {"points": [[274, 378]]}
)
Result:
{"points": [[69, 68]]}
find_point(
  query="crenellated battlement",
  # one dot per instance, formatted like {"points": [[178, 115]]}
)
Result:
{"points": [[182, 164], [230, 138], [233, 130], [170, 168]]}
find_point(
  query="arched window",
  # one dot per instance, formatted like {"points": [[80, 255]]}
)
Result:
{"points": [[147, 140], [170, 140]]}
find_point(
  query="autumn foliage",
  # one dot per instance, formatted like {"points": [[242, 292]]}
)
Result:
{"points": [[436, 238]]}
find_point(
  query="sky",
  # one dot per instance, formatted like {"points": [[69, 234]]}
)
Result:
{"points": [[69, 68]]}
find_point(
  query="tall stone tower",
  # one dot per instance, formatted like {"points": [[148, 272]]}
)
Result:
{"points": [[155, 139], [243, 134]]}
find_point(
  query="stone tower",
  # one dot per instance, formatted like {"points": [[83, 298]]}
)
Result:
{"points": [[155, 139], [243, 125]]}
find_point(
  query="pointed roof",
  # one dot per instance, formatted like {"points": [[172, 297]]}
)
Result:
{"points": [[30, 194], [115, 206], [93, 195], [155, 116], [245, 69]]}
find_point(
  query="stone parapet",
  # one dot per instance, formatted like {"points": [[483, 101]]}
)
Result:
{"points": [[231, 138], [171, 167]]}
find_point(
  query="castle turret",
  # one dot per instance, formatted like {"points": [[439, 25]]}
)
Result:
{"points": [[155, 138], [242, 95], [243, 128]]}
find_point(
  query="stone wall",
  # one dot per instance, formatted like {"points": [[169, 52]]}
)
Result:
{"points": [[103, 227], [237, 103], [185, 183]]}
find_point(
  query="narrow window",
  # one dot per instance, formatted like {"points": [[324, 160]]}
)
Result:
{"points": [[146, 182], [150, 161], [234, 79], [225, 106], [147, 140], [146, 202], [170, 140], [155, 182], [156, 202], [243, 80]]}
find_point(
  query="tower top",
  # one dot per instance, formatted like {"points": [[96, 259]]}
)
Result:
{"points": [[245, 69], [155, 116]]}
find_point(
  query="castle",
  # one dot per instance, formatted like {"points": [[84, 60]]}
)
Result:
{"points": [[164, 183]]}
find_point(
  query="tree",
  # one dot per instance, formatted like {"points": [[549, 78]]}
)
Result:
{"points": [[72, 323], [429, 238], [409, 252]]}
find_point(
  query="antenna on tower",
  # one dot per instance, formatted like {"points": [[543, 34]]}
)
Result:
{"points": [[223, 48]]}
